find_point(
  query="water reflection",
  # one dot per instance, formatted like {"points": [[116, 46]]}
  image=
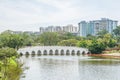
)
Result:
{"points": [[105, 62], [71, 68], [99, 69]]}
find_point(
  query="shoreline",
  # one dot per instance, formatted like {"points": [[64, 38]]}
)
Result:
{"points": [[111, 55]]}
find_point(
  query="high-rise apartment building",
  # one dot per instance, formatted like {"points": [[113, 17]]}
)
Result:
{"points": [[82, 28], [68, 28], [93, 27]]}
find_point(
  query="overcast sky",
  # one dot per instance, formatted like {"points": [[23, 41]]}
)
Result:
{"points": [[31, 14]]}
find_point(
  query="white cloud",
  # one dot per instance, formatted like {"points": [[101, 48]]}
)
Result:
{"points": [[58, 12]]}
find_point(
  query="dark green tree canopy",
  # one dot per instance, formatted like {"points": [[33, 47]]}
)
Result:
{"points": [[8, 39], [69, 42], [102, 33], [117, 31], [49, 38]]}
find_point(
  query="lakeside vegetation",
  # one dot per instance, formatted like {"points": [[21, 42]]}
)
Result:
{"points": [[10, 68]]}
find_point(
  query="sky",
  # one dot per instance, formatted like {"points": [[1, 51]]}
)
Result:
{"points": [[29, 15]]}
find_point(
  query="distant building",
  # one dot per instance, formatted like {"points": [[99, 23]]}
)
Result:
{"points": [[50, 29], [93, 27], [28, 32], [42, 29], [82, 28], [58, 29], [17, 32], [68, 28]]}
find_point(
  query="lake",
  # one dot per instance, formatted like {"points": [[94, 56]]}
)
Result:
{"points": [[70, 68]]}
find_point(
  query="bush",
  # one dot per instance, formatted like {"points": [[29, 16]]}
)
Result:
{"points": [[96, 47]]}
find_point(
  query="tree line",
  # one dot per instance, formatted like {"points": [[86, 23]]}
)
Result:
{"points": [[100, 42]]}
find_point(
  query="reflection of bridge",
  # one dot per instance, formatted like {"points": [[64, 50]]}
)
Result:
{"points": [[53, 50]]}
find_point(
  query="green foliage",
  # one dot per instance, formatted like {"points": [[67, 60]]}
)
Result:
{"points": [[7, 53], [84, 43], [69, 35], [109, 41], [10, 69], [112, 43], [96, 47], [13, 70], [102, 33], [69, 42], [11, 40], [90, 37], [117, 31], [27, 39], [49, 38], [118, 39], [66, 36]]}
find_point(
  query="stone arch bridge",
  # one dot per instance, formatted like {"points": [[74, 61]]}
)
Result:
{"points": [[52, 50]]}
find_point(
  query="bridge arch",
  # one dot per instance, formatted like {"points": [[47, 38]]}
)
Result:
{"points": [[33, 52], [45, 52], [83, 52], [51, 52], [21, 53], [73, 52], [56, 52], [26, 53], [67, 52], [88, 52], [78, 52], [62, 52], [39, 53]]}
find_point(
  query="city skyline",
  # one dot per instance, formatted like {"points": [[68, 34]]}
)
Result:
{"points": [[93, 27], [24, 14]]}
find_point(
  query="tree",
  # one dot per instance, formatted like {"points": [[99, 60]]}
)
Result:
{"points": [[112, 43], [27, 39], [117, 31], [10, 69], [7, 53], [90, 37], [49, 38], [102, 33], [69, 42], [109, 41], [84, 43], [96, 47], [11, 40], [66, 36]]}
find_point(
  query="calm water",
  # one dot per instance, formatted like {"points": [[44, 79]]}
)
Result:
{"points": [[70, 68]]}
